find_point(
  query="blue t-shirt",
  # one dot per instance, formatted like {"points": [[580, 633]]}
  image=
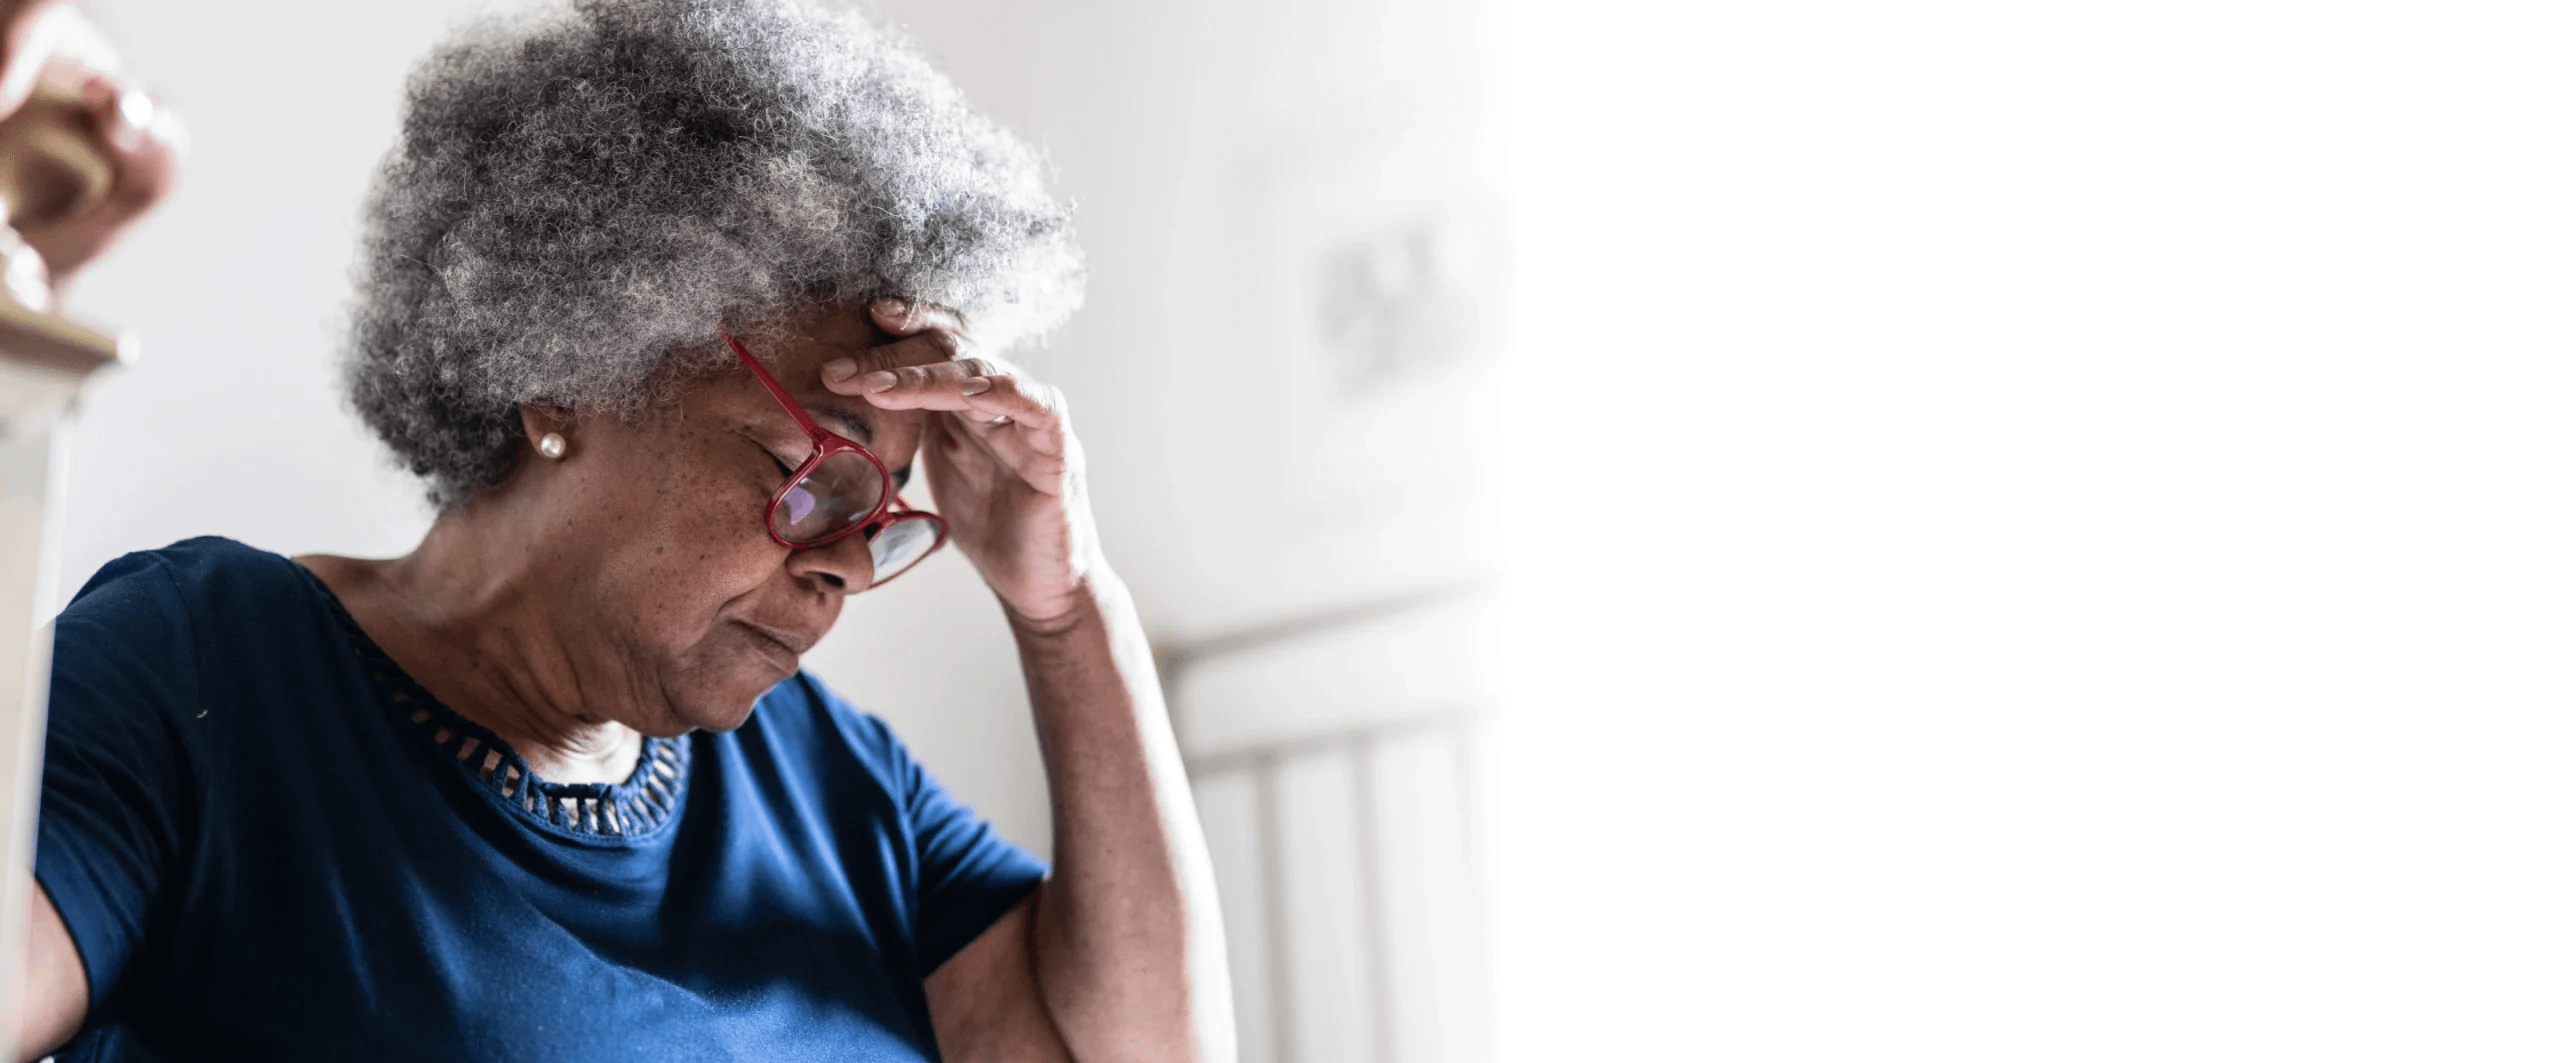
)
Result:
{"points": [[271, 843]]}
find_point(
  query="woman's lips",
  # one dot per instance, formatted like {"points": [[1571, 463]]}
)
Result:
{"points": [[785, 650]]}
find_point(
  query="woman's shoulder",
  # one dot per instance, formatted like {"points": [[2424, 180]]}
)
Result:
{"points": [[208, 565], [207, 579], [153, 631]]}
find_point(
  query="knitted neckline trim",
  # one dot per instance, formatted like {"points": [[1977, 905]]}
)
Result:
{"points": [[635, 808]]}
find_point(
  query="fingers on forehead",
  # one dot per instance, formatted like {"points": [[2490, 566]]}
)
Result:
{"points": [[922, 349], [906, 360], [945, 370], [1030, 403]]}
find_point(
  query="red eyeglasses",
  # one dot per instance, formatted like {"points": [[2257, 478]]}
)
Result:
{"points": [[841, 489]]}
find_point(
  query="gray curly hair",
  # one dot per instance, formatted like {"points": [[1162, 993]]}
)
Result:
{"points": [[580, 198]]}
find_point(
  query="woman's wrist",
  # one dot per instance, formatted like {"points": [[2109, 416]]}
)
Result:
{"points": [[1087, 602]]}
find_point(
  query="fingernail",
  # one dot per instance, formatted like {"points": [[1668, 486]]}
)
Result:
{"points": [[975, 384], [891, 305], [838, 371], [880, 381]]}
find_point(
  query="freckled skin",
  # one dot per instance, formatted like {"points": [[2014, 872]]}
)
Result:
{"points": [[668, 513], [632, 581]]}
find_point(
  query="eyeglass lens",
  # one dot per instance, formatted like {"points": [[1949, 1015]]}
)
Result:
{"points": [[843, 489], [900, 544]]}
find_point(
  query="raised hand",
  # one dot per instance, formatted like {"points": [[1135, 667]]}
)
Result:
{"points": [[83, 154], [1007, 472]]}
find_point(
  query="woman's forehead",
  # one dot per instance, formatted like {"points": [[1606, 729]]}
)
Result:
{"points": [[825, 337], [849, 332]]}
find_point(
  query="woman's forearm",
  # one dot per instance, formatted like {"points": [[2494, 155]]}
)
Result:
{"points": [[1128, 948]]}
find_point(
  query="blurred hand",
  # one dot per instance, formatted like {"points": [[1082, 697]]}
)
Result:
{"points": [[1007, 471], [86, 154], [29, 32], [123, 128]]}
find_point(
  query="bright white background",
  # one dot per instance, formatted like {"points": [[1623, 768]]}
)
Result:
{"points": [[2056, 558]]}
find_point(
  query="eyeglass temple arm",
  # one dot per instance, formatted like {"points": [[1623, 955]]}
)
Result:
{"points": [[771, 385]]}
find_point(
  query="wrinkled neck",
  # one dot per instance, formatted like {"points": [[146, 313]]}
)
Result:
{"points": [[477, 617]]}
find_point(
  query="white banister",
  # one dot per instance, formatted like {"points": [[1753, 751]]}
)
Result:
{"points": [[45, 362]]}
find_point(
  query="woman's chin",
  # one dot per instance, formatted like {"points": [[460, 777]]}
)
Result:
{"points": [[724, 702], [717, 689], [723, 714]]}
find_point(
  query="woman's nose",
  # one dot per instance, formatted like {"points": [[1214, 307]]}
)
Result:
{"points": [[842, 566]]}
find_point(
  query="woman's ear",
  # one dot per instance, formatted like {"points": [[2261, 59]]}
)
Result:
{"points": [[548, 428]]}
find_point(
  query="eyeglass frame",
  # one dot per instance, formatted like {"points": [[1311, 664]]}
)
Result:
{"points": [[823, 445]]}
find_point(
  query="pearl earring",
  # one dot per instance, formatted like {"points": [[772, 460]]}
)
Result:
{"points": [[552, 446]]}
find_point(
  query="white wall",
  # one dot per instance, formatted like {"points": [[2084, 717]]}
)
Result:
{"points": [[232, 424]]}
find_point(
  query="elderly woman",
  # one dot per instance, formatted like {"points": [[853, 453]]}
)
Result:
{"points": [[665, 300]]}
